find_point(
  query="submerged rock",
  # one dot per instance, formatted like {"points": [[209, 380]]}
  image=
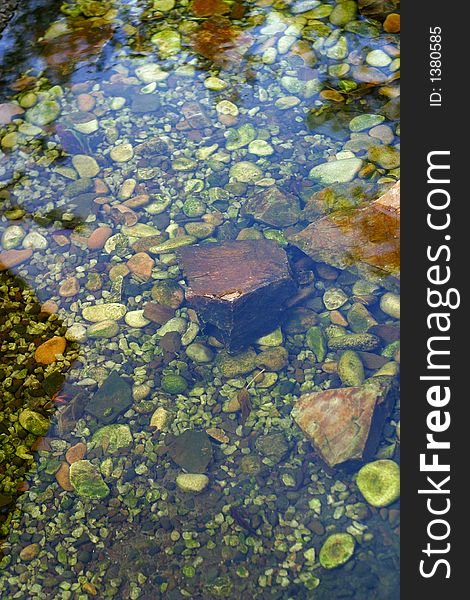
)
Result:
{"points": [[192, 482], [239, 288], [274, 207], [337, 550], [345, 424], [86, 480], [365, 240], [336, 171], [43, 113], [191, 450], [113, 437], [34, 422], [379, 482], [111, 400]]}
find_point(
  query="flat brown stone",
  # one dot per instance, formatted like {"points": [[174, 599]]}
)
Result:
{"points": [[364, 240], [158, 313], [239, 288], [13, 258], [345, 424], [141, 265]]}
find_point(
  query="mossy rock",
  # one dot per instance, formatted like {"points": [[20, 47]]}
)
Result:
{"points": [[174, 384], [113, 437], [337, 550], [87, 481], [350, 368], [34, 422], [379, 482]]}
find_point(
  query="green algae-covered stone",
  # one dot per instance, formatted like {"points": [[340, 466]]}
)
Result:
{"points": [[167, 41], [237, 138], [86, 480], [316, 342], [350, 369], [246, 172], [238, 364], [379, 482], [114, 437], [43, 113], [337, 550], [103, 329], [174, 384], [34, 422], [192, 482]]}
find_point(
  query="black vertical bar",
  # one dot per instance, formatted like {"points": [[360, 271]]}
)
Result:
{"points": [[435, 246]]}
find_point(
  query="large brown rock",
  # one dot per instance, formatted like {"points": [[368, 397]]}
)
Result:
{"points": [[239, 288], [345, 424], [364, 240]]}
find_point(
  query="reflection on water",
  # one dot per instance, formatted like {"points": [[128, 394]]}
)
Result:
{"points": [[138, 458]]}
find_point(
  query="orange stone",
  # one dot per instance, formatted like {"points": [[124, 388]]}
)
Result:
{"points": [[76, 452], [63, 477], [89, 588], [137, 201], [207, 8], [47, 353], [101, 187], [50, 307], [60, 239], [69, 288], [141, 264], [98, 238], [13, 258], [86, 102], [392, 23]]}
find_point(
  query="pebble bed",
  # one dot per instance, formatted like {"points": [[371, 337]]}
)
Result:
{"points": [[147, 127]]}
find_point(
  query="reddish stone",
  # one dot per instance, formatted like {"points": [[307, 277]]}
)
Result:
{"points": [[389, 333], [76, 452], [207, 8], [365, 240], [13, 258], [9, 111], [240, 288], [101, 187], [345, 424], [141, 264], [98, 238], [157, 313], [63, 477], [60, 239], [373, 361], [86, 102], [123, 214], [227, 120]]}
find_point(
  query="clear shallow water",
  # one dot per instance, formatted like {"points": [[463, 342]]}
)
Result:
{"points": [[162, 105]]}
